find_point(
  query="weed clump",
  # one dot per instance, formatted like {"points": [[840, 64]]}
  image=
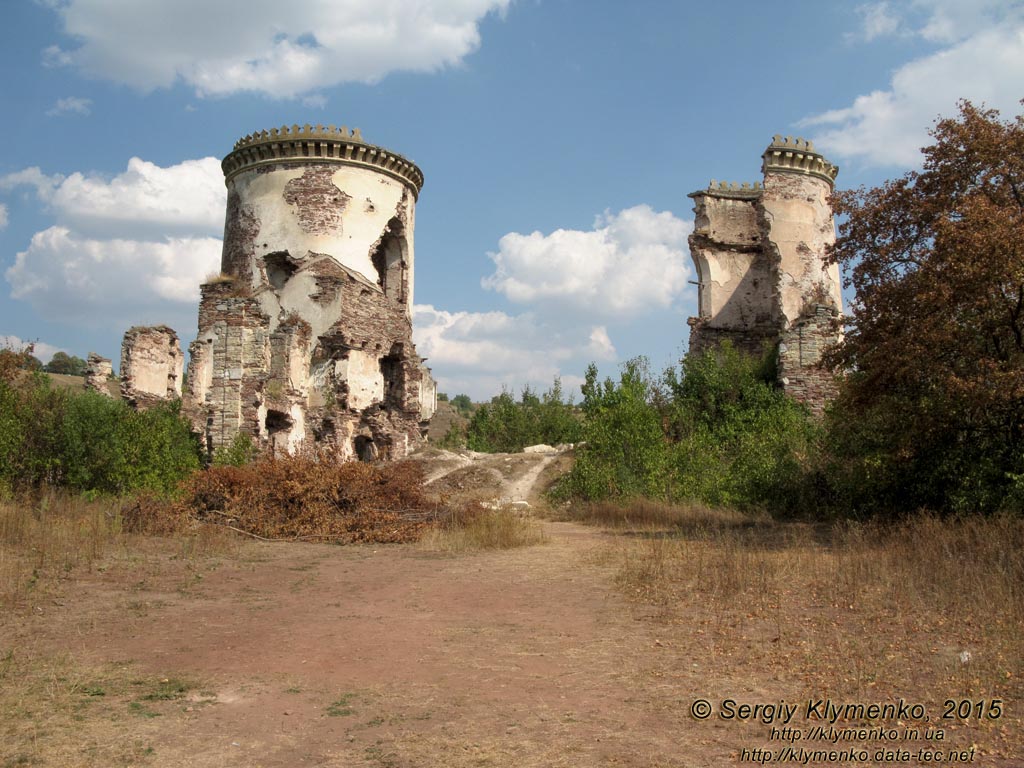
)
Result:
{"points": [[475, 527]]}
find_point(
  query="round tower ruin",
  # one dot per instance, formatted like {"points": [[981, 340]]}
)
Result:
{"points": [[305, 337], [764, 282]]}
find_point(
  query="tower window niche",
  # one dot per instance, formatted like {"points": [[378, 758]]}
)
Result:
{"points": [[389, 259]]}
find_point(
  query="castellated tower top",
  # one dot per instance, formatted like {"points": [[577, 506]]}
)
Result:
{"points": [[797, 155], [320, 144]]}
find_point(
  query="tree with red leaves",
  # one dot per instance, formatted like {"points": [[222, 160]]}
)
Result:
{"points": [[932, 413]]}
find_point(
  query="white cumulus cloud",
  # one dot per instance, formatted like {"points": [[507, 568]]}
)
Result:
{"points": [[111, 283], [578, 289], [128, 249], [3, 215], [279, 49], [145, 199], [981, 59], [72, 105], [478, 353], [630, 262]]}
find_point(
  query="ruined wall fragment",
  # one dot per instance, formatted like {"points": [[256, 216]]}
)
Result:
{"points": [[98, 374], [151, 365], [735, 284]]}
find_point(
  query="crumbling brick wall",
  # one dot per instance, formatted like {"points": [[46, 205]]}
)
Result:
{"points": [[98, 374]]}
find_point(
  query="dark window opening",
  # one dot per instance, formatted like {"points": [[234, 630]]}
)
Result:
{"points": [[392, 371], [277, 421], [279, 269], [389, 261], [365, 448]]}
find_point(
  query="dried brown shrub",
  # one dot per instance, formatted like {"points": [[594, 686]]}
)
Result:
{"points": [[314, 497], [148, 513]]}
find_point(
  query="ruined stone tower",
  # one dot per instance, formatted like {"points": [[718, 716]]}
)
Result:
{"points": [[763, 282], [306, 335]]}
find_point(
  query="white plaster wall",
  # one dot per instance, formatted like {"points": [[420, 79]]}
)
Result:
{"points": [[297, 363], [800, 227], [297, 434], [178, 369], [728, 294], [365, 381], [428, 396], [150, 377], [351, 244], [735, 288]]}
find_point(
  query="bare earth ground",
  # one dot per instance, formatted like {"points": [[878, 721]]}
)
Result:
{"points": [[292, 654]]}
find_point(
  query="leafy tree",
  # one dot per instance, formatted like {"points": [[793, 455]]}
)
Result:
{"points": [[70, 365], [462, 404], [504, 425], [933, 410], [625, 453]]}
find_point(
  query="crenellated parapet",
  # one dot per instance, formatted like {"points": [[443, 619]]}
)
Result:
{"points": [[318, 144], [797, 155], [731, 190]]}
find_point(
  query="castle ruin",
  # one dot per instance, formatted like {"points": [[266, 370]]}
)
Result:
{"points": [[763, 281], [306, 335]]}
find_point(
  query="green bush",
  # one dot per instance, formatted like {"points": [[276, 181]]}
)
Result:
{"points": [[716, 431], [88, 442], [242, 451], [625, 452], [739, 440], [504, 425]]}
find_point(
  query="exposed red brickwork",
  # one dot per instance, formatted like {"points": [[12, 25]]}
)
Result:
{"points": [[241, 228], [318, 202], [800, 371]]}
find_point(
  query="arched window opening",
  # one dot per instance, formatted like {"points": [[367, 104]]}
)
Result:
{"points": [[390, 262]]}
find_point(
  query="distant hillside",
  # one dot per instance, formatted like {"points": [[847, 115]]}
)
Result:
{"points": [[77, 383], [442, 421]]}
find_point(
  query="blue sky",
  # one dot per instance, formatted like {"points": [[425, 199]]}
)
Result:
{"points": [[559, 139]]}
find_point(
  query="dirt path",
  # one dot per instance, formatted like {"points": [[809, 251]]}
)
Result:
{"points": [[499, 477], [317, 655], [388, 656]]}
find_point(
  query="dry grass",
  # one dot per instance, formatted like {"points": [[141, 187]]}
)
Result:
{"points": [[475, 528], [650, 515], [61, 711], [49, 539], [927, 609]]}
